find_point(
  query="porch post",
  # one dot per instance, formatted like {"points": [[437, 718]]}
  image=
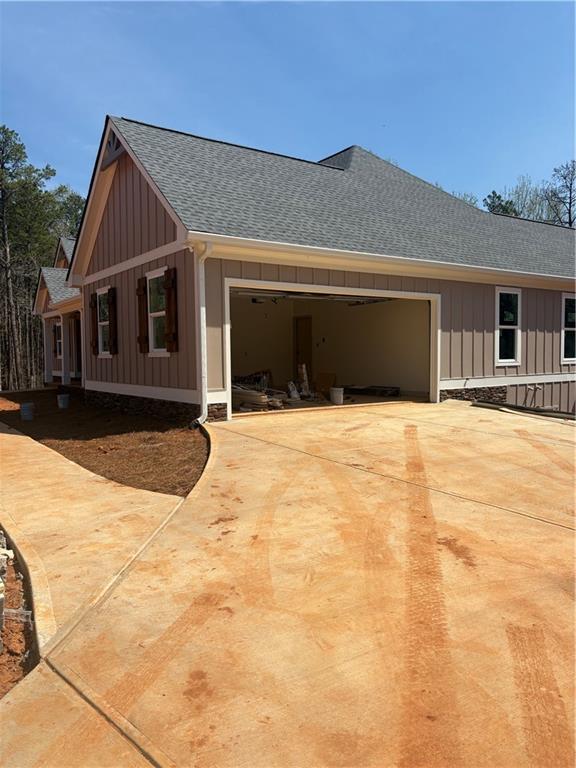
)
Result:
{"points": [[81, 342], [47, 337], [65, 319]]}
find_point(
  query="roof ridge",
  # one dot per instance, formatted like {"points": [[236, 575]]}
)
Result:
{"points": [[226, 143]]}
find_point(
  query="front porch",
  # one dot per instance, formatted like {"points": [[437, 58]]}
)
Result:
{"points": [[63, 357]]}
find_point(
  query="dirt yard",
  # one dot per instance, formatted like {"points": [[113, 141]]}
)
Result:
{"points": [[17, 656], [137, 450]]}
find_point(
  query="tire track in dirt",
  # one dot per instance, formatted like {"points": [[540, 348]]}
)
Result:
{"points": [[366, 539], [429, 718], [548, 735], [546, 449], [364, 528], [256, 581]]}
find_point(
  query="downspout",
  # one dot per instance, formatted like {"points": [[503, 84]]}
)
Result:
{"points": [[201, 252]]}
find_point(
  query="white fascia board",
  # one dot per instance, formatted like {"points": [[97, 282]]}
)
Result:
{"points": [[173, 394], [67, 305], [246, 249]]}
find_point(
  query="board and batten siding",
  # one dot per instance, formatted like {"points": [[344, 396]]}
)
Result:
{"points": [[134, 220], [561, 394], [130, 366], [468, 317]]}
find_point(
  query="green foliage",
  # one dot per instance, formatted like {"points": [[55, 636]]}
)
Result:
{"points": [[495, 203], [32, 218]]}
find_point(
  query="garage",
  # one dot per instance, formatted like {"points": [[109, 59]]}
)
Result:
{"points": [[290, 345]]}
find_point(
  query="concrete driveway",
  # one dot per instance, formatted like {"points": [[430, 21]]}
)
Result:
{"points": [[376, 586]]}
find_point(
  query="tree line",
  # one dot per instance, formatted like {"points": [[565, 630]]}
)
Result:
{"points": [[552, 201], [33, 215], [32, 218]]}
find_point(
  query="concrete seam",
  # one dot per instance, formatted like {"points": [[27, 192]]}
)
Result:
{"points": [[128, 732], [409, 482], [123, 572], [466, 429], [58, 639]]}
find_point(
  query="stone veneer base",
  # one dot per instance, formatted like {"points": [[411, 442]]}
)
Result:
{"points": [[488, 394], [164, 409]]}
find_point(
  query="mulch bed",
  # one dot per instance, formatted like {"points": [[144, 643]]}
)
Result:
{"points": [[137, 450]]}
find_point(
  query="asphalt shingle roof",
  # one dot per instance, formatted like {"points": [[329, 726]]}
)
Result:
{"points": [[68, 244], [352, 201], [55, 278]]}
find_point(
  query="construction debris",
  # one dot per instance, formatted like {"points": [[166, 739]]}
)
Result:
{"points": [[254, 392], [372, 390]]}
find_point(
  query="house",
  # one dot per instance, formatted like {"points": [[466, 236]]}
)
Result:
{"points": [[199, 261], [60, 307]]}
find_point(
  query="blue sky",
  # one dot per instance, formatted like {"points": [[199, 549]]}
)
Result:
{"points": [[469, 95]]}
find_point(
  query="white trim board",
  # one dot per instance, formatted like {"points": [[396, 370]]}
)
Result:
{"points": [[506, 381], [249, 249], [163, 251], [435, 300], [140, 390], [216, 396]]}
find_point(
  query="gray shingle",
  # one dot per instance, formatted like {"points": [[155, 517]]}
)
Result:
{"points": [[352, 201], [55, 278], [68, 244]]}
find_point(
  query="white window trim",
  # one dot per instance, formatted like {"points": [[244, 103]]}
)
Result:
{"points": [[565, 360], [99, 292], [58, 340], [152, 352], [497, 328]]}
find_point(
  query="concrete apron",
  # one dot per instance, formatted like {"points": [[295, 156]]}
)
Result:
{"points": [[389, 587]]}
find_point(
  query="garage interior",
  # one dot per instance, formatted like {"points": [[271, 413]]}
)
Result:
{"points": [[376, 349]]}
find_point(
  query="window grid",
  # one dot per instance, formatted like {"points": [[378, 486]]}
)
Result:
{"points": [[103, 322], [156, 311], [59, 341], [568, 328], [504, 326]]}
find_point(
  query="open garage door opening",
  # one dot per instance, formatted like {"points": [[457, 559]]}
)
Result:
{"points": [[296, 349]]}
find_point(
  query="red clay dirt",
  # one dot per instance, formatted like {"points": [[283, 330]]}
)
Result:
{"points": [[16, 635], [137, 450]]}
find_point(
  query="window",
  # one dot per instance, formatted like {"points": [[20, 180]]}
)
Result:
{"points": [[568, 328], [157, 311], [58, 339], [508, 326], [103, 322]]}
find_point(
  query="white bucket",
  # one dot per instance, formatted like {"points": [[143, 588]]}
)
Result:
{"points": [[63, 401], [337, 395], [27, 411]]}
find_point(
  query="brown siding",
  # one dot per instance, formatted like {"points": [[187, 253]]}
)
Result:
{"points": [[134, 220], [561, 395], [130, 366], [467, 322]]}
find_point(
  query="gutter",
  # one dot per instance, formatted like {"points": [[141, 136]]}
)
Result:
{"points": [[201, 251]]}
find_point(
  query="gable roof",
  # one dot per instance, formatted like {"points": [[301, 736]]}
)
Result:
{"points": [[55, 282], [67, 244], [350, 201]]}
